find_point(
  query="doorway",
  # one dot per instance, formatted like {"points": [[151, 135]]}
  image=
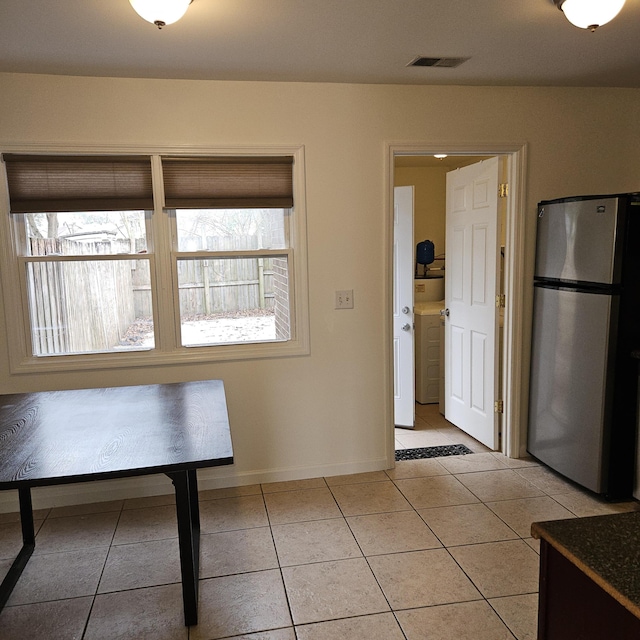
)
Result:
{"points": [[511, 239]]}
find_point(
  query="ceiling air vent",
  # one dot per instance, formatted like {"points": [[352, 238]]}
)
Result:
{"points": [[450, 63]]}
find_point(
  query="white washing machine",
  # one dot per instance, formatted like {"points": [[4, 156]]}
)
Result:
{"points": [[428, 289]]}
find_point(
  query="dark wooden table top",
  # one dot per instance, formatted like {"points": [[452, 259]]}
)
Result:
{"points": [[56, 437]]}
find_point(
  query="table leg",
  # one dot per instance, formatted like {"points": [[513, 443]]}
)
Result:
{"points": [[188, 514], [28, 545]]}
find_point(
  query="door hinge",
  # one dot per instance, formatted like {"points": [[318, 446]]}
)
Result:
{"points": [[503, 190], [499, 406], [500, 301]]}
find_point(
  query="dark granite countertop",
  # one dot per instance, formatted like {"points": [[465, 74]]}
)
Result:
{"points": [[606, 548]]}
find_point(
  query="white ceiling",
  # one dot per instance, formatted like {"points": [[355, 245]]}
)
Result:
{"points": [[509, 42]]}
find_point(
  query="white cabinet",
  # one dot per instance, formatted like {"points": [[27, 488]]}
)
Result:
{"points": [[427, 346]]}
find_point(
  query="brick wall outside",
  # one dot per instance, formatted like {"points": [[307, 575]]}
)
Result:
{"points": [[274, 230], [281, 298]]}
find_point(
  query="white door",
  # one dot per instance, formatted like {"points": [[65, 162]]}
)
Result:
{"points": [[471, 326], [403, 334]]}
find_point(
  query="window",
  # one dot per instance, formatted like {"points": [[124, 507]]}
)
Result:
{"points": [[132, 260], [226, 297]]}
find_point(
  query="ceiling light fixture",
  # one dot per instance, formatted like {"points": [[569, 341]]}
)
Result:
{"points": [[589, 14], [160, 12], [440, 156]]}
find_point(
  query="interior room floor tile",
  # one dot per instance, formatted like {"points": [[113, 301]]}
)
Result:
{"points": [[462, 621], [314, 541], [287, 633], [76, 532], [504, 484], [381, 626], [141, 564], [520, 514], [240, 551], [520, 614], [241, 604], [232, 514], [5, 565], [584, 505], [515, 463], [85, 509], [471, 462], [357, 478], [331, 590], [466, 524], [294, 485], [436, 491], [299, 506], [500, 568], [57, 576], [394, 532], [427, 438], [150, 523], [14, 516], [60, 620], [154, 613], [431, 414], [417, 469], [459, 437], [534, 544], [372, 497], [547, 480], [422, 579], [151, 501], [230, 492], [11, 538]]}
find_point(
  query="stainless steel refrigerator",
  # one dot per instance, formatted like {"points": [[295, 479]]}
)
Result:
{"points": [[586, 323]]}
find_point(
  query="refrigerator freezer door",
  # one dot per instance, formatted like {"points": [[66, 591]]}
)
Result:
{"points": [[577, 241], [570, 383]]}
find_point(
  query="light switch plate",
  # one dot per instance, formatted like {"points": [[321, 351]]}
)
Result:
{"points": [[344, 299]]}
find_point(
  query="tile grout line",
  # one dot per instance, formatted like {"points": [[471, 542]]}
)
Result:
{"points": [[106, 559], [275, 548]]}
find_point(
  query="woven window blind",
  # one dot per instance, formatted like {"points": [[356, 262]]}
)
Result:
{"points": [[78, 183], [228, 182]]}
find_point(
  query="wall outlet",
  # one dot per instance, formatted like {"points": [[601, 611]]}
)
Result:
{"points": [[344, 299]]}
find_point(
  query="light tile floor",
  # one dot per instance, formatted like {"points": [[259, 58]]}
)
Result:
{"points": [[435, 549]]}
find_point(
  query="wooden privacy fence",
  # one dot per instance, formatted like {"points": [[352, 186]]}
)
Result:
{"points": [[88, 305], [80, 306], [208, 287]]}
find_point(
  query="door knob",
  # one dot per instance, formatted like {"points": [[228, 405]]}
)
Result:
{"points": [[405, 310], [444, 312], [406, 327]]}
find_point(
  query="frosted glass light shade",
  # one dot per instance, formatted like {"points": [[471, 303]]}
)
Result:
{"points": [[590, 14], [161, 12]]}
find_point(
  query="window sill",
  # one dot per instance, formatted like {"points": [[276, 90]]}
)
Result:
{"points": [[153, 358]]}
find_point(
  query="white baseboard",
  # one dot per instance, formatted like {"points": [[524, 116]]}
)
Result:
{"points": [[64, 495]]}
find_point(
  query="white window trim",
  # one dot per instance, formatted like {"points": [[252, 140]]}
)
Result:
{"points": [[168, 349]]}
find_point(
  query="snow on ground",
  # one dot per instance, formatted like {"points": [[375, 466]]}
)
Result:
{"points": [[224, 330], [207, 330]]}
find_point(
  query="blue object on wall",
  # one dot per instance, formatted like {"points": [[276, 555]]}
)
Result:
{"points": [[425, 252]]}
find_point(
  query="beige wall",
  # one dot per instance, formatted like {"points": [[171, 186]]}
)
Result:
{"points": [[430, 191], [329, 412]]}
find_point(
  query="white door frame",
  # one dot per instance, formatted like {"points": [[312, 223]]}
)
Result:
{"points": [[514, 379]]}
